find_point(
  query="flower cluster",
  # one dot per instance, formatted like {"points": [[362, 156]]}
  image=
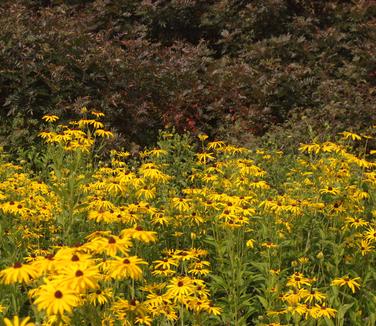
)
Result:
{"points": [[204, 233]]}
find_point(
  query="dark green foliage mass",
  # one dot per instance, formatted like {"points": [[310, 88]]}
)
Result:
{"points": [[233, 69]]}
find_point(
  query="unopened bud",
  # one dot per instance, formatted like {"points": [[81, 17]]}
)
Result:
{"points": [[320, 255]]}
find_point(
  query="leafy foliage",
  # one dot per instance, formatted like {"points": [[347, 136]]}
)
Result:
{"points": [[229, 68]]}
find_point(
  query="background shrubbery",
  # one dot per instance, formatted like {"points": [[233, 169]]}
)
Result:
{"points": [[237, 69]]}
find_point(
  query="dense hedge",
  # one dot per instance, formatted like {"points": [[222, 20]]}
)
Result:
{"points": [[234, 68]]}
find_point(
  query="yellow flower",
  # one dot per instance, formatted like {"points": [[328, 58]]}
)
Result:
{"points": [[269, 245], [86, 122], [313, 295], [365, 247], [165, 263], [111, 245], [205, 157], [216, 144], [322, 311], [250, 243], [356, 222], [158, 152], [50, 118], [140, 234], [351, 135], [18, 273], [329, 190], [124, 267], [345, 280], [55, 299], [99, 296], [16, 322], [146, 192], [297, 309], [181, 204], [144, 320], [79, 277], [211, 309], [180, 287], [97, 114], [310, 148], [370, 235], [203, 137], [103, 133], [297, 280]]}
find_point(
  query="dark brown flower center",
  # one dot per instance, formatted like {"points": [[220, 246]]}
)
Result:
{"points": [[50, 257], [17, 265], [79, 273], [58, 294]]}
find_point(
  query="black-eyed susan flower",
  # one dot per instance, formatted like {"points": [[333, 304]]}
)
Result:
{"points": [[103, 133], [320, 311], [79, 277], [353, 283], [165, 263], [50, 118], [55, 299], [99, 296], [144, 320], [330, 190], [356, 222], [310, 148], [215, 144], [97, 114], [138, 233], [370, 234], [297, 280], [160, 219], [213, 310], [269, 245], [146, 192], [313, 295], [161, 271], [365, 247], [125, 267], [18, 273], [350, 135], [16, 321], [250, 243], [111, 245], [181, 204], [180, 287], [205, 157]]}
